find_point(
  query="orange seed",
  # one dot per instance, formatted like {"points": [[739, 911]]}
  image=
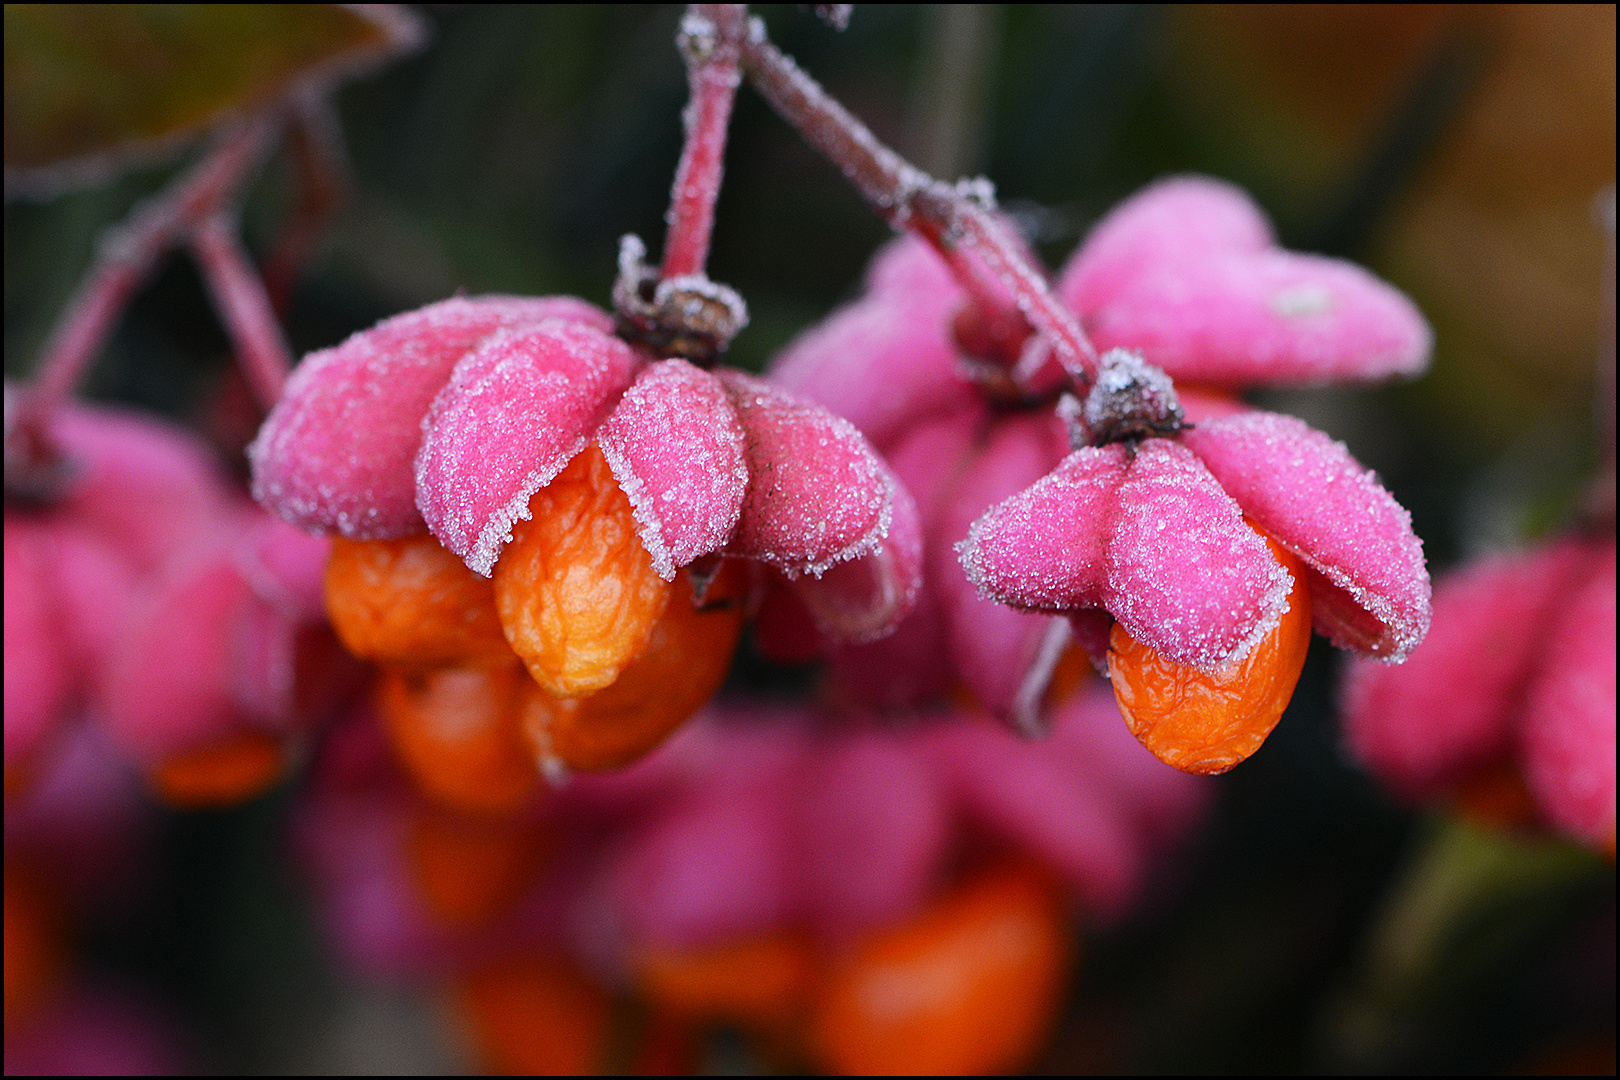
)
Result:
{"points": [[575, 589], [1207, 722], [972, 984], [457, 731], [688, 653], [411, 601]]}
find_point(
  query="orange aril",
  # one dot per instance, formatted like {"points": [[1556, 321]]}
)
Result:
{"points": [[471, 868], [687, 655], [458, 732], [536, 1016], [410, 601], [760, 983], [224, 773], [1208, 722], [575, 589], [971, 984]]}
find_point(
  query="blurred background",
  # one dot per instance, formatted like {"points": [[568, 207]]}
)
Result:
{"points": [[1456, 150]]}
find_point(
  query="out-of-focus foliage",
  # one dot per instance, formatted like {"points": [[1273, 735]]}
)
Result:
{"points": [[92, 86]]}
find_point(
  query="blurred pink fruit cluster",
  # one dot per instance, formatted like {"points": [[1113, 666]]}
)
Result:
{"points": [[1508, 708], [149, 599]]}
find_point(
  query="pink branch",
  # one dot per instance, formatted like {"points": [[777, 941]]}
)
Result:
{"points": [[711, 35], [124, 257], [957, 221], [244, 307]]}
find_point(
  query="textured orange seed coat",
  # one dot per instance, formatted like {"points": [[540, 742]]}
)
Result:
{"points": [[410, 601], [688, 652], [972, 984], [575, 589], [1207, 723]]}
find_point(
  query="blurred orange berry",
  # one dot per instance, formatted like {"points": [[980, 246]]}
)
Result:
{"points": [[223, 773], [758, 983], [458, 733], [972, 984], [575, 589], [470, 868], [34, 947], [1208, 722], [536, 1016]]}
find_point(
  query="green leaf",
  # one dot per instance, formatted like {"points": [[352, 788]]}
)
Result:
{"points": [[91, 86]]}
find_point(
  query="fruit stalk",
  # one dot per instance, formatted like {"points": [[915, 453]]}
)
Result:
{"points": [[956, 220]]}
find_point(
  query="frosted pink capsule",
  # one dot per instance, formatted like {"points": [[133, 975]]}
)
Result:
{"points": [[137, 491], [1569, 721], [215, 648], [336, 453], [718, 462], [1188, 272], [1154, 535], [1518, 671]]}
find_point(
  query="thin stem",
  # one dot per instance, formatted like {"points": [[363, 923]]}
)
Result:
{"points": [[957, 220], [315, 147], [244, 307], [711, 36], [125, 255]]}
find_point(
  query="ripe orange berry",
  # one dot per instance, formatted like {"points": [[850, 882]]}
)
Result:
{"points": [[972, 984], [458, 733], [1206, 723], [225, 773], [687, 655], [760, 983], [536, 1016], [575, 589], [410, 601]]}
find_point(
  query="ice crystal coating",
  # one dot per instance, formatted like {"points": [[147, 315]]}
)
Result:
{"points": [[817, 494], [676, 449], [1369, 584], [865, 598], [336, 452], [515, 411], [1188, 272], [1130, 399], [1150, 536]]}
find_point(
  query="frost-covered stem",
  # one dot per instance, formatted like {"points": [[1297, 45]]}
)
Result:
{"points": [[124, 256], [710, 40], [1050, 318], [244, 307], [955, 220]]}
